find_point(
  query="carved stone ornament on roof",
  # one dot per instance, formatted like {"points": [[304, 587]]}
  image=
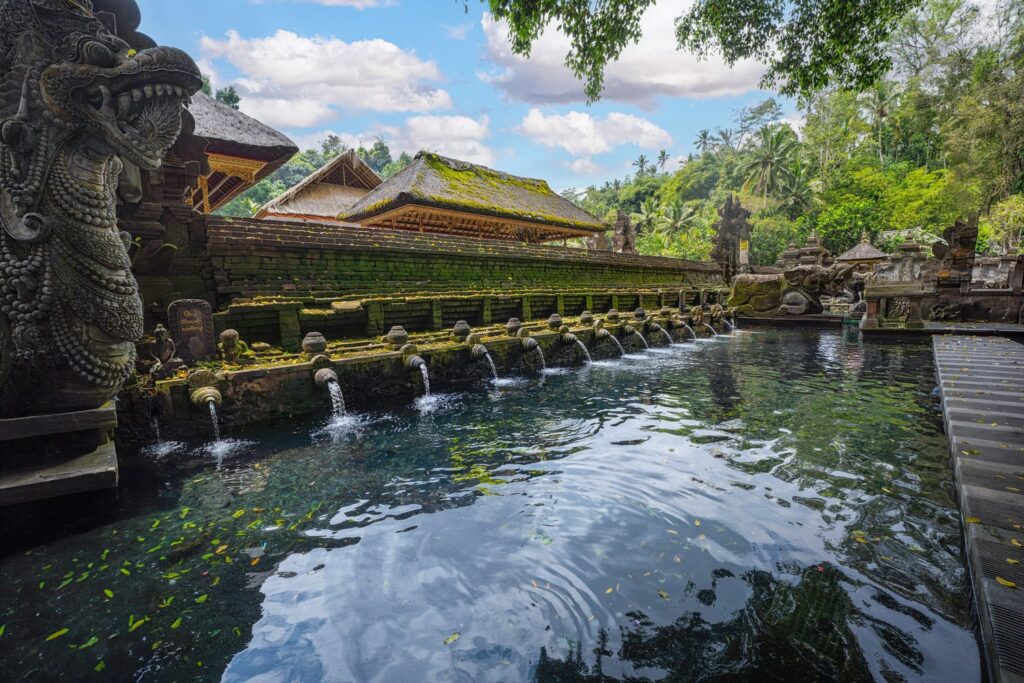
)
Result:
{"points": [[74, 101]]}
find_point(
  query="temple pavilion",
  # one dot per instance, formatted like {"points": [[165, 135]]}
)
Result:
{"points": [[321, 196], [436, 194], [239, 150]]}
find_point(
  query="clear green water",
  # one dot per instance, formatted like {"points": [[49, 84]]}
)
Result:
{"points": [[768, 506]]}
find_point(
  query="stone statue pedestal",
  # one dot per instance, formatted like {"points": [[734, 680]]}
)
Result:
{"points": [[45, 456]]}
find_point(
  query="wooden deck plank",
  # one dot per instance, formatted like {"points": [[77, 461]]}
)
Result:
{"points": [[90, 472], [981, 381]]}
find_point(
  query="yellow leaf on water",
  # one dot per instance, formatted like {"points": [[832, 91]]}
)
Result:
{"points": [[1015, 542], [662, 594], [1012, 561], [610, 590], [696, 522], [973, 520], [109, 593], [202, 598], [56, 634], [176, 623], [452, 638], [1005, 582]]}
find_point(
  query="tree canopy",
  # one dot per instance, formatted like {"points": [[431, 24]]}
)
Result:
{"points": [[807, 45]]}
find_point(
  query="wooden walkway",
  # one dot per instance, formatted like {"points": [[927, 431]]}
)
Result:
{"points": [[981, 380]]}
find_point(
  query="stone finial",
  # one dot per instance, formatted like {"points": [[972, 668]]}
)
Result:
{"points": [[314, 343], [640, 314], [586, 318], [397, 337], [612, 315], [461, 330], [513, 326], [555, 321]]}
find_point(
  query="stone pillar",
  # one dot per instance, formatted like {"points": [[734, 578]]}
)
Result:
{"points": [[526, 312], [914, 321], [288, 327], [870, 319], [560, 304], [374, 318], [436, 320], [485, 311]]}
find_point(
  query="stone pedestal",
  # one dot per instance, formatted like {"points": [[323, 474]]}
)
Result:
{"points": [[45, 456]]}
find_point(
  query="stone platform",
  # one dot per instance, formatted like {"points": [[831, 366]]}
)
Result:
{"points": [[31, 469], [1011, 330], [981, 380]]}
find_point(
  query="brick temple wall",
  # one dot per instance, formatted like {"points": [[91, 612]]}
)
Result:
{"points": [[258, 259], [275, 281]]}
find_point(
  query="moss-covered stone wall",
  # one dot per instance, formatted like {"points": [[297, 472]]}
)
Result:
{"points": [[269, 258]]}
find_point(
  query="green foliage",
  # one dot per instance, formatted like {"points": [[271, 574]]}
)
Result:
{"points": [[229, 97], [807, 44], [770, 235]]}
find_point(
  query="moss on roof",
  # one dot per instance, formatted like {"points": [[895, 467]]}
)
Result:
{"points": [[436, 181]]}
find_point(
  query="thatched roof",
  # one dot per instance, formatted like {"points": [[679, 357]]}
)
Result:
{"points": [[864, 251], [331, 190], [241, 150], [231, 132], [442, 195]]}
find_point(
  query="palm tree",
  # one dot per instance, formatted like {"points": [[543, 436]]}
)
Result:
{"points": [[800, 190], [878, 103], [703, 140], [641, 165], [662, 160], [646, 220], [725, 138], [768, 165], [676, 215]]}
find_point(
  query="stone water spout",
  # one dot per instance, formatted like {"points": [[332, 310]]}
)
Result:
{"points": [[211, 398], [414, 363], [601, 333], [326, 377], [530, 345], [658, 328], [479, 352]]}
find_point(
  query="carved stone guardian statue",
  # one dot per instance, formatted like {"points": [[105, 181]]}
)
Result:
{"points": [[74, 101], [162, 351]]}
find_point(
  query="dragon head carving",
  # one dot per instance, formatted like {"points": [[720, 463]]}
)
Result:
{"points": [[76, 102]]}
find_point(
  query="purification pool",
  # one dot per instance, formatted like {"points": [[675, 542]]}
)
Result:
{"points": [[770, 505]]}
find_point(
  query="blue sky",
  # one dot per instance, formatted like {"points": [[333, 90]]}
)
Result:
{"points": [[425, 74]]}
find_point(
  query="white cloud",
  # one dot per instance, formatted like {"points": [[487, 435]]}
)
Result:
{"points": [[460, 137], [457, 32], [358, 4], [644, 71], [583, 136], [313, 75], [584, 167]]}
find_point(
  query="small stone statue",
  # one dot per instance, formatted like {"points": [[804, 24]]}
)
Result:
{"points": [[697, 315], [231, 349], [162, 351]]}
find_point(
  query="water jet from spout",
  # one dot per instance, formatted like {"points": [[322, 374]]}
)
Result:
{"points": [[585, 351], [711, 328]]}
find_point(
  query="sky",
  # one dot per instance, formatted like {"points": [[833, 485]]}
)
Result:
{"points": [[427, 74]]}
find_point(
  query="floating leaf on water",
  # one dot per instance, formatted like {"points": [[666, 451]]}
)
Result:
{"points": [[696, 522], [156, 523], [104, 554], [166, 602], [1000, 580], [610, 590], [452, 638], [100, 667], [56, 634], [3, 627], [109, 593], [677, 559], [221, 549], [1014, 541], [662, 594], [238, 513], [176, 623], [973, 520], [125, 572], [1012, 561], [672, 531], [202, 598], [215, 581], [534, 583], [42, 585], [89, 643]]}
